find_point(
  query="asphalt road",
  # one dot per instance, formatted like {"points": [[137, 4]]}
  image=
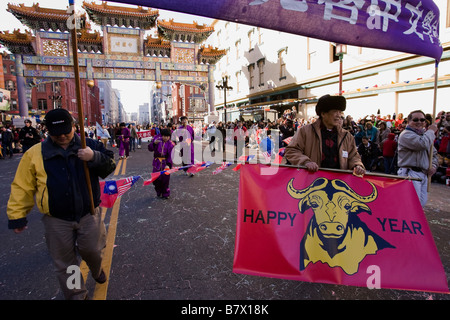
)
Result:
{"points": [[181, 248]]}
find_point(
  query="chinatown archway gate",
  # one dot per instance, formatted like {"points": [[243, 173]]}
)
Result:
{"points": [[120, 53]]}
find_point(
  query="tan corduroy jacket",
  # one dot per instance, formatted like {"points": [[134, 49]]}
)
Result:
{"points": [[306, 146]]}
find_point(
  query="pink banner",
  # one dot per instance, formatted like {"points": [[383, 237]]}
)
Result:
{"points": [[335, 228]]}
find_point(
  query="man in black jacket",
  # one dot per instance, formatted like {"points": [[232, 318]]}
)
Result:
{"points": [[28, 136], [53, 173], [7, 139]]}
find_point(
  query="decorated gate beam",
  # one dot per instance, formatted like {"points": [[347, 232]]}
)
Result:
{"points": [[119, 52]]}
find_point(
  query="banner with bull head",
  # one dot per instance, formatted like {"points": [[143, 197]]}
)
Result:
{"points": [[337, 228]]}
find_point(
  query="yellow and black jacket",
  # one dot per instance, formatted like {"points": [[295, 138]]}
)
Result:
{"points": [[54, 178]]}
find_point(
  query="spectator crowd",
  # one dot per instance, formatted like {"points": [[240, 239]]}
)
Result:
{"points": [[375, 136]]}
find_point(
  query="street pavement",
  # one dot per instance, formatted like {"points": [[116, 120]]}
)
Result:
{"points": [[178, 249]]}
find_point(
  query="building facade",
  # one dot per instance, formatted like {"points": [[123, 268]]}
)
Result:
{"points": [[119, 50], [144, 114], [47, 95], [271, 71]]}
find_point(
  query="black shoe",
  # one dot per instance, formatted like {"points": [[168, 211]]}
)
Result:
{"points": [[101, 278], [165, 198]]}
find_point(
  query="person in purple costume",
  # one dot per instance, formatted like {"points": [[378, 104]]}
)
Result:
{"points": [[186, 138], [162, 147], [124, 140]]}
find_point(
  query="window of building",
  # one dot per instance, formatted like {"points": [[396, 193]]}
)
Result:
{"points": [[12, 68], [251, 75], [261, 63], [282, 61], [41, 87], [13, 104], [42, 104], [56, 88], [238, 81], [333, 56], [237, 46], [250, 39], [10, 85], [448, 15], [310, 54], [219, 35], [259, 36]]}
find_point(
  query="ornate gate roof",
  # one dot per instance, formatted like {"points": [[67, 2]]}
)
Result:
{"points": [[104, 14]]}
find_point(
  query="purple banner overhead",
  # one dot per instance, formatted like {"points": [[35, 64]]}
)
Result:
{"points": [[410, 26]]}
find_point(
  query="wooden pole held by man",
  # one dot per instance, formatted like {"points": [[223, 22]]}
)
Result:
{"points": [[79, 100]]}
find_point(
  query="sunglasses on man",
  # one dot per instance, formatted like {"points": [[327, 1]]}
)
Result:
{"points": [[417, 120]]}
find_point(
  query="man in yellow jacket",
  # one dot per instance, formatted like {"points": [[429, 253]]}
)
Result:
{"points": [[324, 144], [51, 174]]}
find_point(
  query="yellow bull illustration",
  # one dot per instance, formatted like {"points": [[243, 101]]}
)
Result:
{"points": [[335, 234]]}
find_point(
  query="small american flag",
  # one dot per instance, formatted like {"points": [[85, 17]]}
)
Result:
{"points": [[267, 156], [287, 140], [246, 158], [124, 185]]}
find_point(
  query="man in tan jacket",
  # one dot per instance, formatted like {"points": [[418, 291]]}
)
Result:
{"points": [[324, 144]]}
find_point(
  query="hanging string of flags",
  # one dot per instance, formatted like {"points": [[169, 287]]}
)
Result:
{"points": [[111, 190]]}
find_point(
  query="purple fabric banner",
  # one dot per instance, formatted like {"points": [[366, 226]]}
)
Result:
{"points": [[410, 26]]}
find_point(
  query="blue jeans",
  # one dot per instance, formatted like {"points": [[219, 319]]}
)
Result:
{"points": [[132, 144]]}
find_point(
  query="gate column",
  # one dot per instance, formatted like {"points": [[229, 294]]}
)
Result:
{"points": [[21, 89]]}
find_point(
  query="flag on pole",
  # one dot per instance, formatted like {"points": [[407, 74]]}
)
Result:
{"points": [[199, 167], [287, 140], [175, 169], [102, 133], [279, 156], [222, 167], [113, 189], [243, 158], [169, 171], [267, 156], [332, 227], [246, 158], [154, 176]]}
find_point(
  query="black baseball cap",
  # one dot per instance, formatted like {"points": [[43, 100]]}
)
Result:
{"points": [[58, 122]]}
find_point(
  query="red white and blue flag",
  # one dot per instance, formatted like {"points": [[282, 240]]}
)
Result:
{"points": [[153, 177], [222, 167], [114, 189], [287, 140], [199, 167], [267, 156], [245, 159]]}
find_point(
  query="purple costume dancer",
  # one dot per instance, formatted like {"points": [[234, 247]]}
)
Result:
{"points": [[183, 141], [162, 147], [124, 140]]}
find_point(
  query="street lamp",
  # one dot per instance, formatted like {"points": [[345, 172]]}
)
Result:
{"points": [[224, 86], [55, 98], [341, 49]]}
